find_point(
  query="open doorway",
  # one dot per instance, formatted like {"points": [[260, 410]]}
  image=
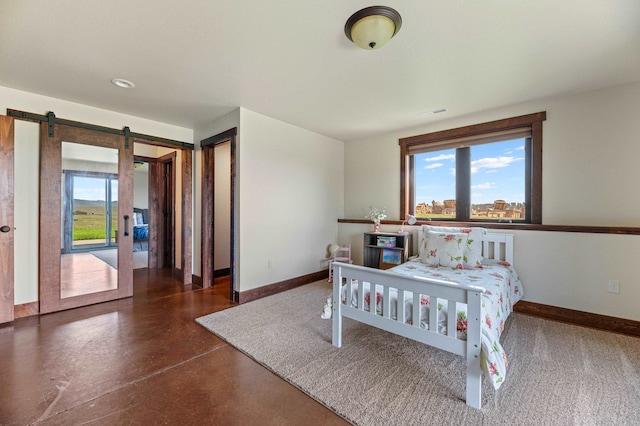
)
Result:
{"points": [[154, 206], [218, 240]]}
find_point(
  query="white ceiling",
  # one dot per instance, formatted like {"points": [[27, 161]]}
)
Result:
{"points": [[195, 60]]}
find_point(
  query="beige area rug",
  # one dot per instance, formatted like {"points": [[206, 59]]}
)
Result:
{"points": [[558, 374], [110, 256]]}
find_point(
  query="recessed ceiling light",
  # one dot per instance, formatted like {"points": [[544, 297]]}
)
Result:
{"points": [[121, 82], [427, 113]]}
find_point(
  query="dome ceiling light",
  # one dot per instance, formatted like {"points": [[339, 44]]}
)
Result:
{"points": [[372, 27]]}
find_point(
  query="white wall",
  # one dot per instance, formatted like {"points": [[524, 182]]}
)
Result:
{"points": [[590, 176], [222, 207], [141, 187], [291, 195], [27, 170]]}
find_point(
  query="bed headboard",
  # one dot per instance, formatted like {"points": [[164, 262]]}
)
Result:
{"points": [[494, 246]]}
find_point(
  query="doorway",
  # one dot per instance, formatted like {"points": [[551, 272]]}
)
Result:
{"points": [[218, 212], [155, 199]]}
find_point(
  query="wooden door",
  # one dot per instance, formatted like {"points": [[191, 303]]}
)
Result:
{"points": [[6, 219], [72, 277]]}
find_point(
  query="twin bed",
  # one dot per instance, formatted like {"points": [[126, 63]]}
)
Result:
{"points": [[466, 273]]}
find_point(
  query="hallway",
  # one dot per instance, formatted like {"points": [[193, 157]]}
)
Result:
{"points": [[141, 360]]}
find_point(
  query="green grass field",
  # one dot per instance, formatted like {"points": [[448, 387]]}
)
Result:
{"points": [[91, 226]]}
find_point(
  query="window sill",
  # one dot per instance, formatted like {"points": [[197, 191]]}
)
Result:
{"points": [[513, 226]]}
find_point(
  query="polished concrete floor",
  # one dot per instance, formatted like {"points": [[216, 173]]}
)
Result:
{"points": [[141, 360]]}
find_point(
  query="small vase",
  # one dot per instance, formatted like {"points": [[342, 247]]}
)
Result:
{"points": [[376, 226]]}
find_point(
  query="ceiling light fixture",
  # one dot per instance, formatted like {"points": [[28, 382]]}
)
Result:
{"points": [[372, 27], [121, 82]]}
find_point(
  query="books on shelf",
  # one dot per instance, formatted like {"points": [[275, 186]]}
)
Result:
{"points": [[386, 241]]}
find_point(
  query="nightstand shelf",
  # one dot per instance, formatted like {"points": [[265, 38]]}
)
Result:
{"points": [[372, 252]]}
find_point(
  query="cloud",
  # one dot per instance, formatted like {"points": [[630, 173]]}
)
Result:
{"points": [[441, 157], [493, 163], [433, 166], [486, 185]]}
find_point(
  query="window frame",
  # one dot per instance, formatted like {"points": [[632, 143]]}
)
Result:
{"points": [[454, 138]]}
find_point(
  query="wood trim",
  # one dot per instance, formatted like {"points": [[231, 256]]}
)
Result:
{"points": [[7, 215], [187, 211], [268, 290], [155, 214], [134, 137], [166, 246], [207, 214], [585, 319], [27, 310], [220, 137], [475, 129], [616, 230], [535, 207], [222, 273], [208, 199], [50, 205], [196, 280]]}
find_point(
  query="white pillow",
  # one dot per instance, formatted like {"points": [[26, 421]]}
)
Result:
{"points": [[473, 252], [445, 249]]}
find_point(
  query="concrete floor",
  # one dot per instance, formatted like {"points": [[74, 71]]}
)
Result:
{"points": [[141, 360]]}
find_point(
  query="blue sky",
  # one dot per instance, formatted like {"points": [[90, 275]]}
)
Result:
{"points": [[497, 173], [85, 188]]}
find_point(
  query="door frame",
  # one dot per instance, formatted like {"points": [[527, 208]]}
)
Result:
{"points": [[7, 301], [161, 210], [208, 198]]}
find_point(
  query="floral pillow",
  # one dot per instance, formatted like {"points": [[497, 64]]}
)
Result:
{"points": [[473, 251], [445, 249]]}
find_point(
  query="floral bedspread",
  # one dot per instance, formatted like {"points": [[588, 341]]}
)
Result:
{"points": [[503, 290]]}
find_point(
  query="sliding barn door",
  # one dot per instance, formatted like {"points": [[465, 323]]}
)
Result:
{"points": [[6, 219], [86, 217]]}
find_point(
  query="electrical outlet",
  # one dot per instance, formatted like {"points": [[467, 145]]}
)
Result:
{"points": [[614, 286], [269, 264]]}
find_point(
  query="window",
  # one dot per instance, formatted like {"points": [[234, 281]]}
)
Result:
{"points": [[485, 172]]}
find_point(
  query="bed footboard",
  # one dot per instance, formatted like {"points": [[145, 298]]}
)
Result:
{"points": [[354, 277]]}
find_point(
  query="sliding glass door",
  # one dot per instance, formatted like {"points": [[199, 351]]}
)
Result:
{"points": [[91, 209]]}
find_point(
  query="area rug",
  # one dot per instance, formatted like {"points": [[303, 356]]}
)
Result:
{"points": [[140, 258], [558, 373]]}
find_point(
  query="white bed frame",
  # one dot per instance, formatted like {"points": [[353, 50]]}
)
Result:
{"points": [[495, 246]]}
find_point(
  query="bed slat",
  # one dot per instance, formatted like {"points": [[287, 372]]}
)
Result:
{"points": [[400, 307], [433, 314], [452, 316], [386, 303], [415, 315]]}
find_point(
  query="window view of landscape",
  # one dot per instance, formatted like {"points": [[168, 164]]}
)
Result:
{"points": [[91, 211], [497, 182]]}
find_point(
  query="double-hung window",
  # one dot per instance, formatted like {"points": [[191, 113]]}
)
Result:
{"points": [[485, 172]]}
